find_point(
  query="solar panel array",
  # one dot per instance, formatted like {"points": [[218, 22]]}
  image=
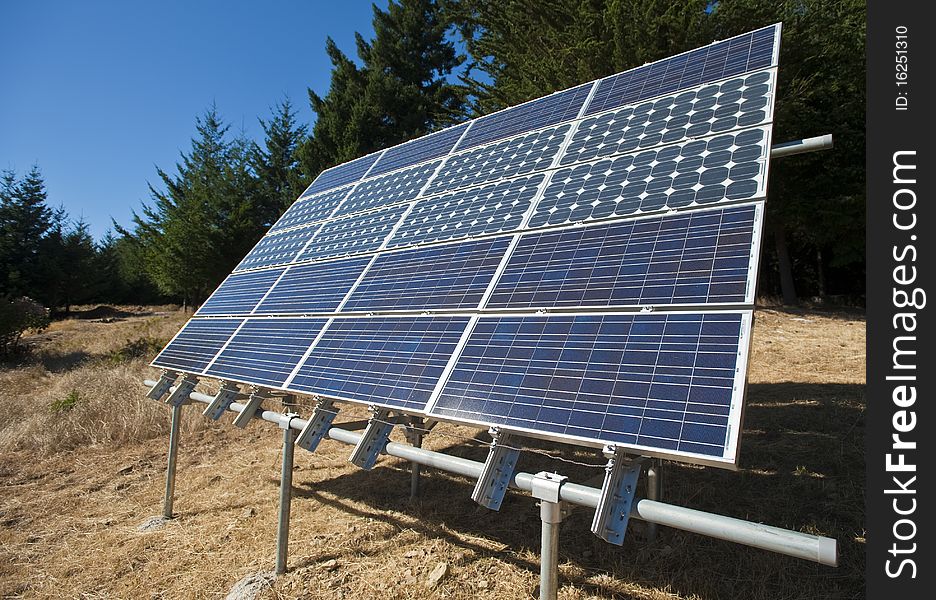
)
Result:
{"points": [[580, 267]]}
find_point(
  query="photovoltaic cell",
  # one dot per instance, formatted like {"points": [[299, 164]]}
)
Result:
{"points": [[449, 276], [277, 248], [310, 209], [344, 173], [740, 102], [196, 344], [697, 257], [265, 351], [474, 211], [239, 293], [318, 287], [543, 112], [431, 146], [517, 156], [747, 52], [357, 233], [391, 362], [659, 381], [387, 190], [699, 172]]}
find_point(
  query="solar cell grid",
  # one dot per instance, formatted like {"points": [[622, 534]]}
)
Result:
{"points": [[357, 233], [449, 276], [310, 209], [318, 287], [344, 173], [700, 172], [660, 381], [391, 362], [388, 189], [517, 156], [474, 211], [265, 351], [277, 248], [196, 344], [719, 60], [421, 149], [739, 102], [543, 112], [688, 258], [239, 293]]}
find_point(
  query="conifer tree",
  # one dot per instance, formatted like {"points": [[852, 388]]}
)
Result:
{"points": [[276, 163]]}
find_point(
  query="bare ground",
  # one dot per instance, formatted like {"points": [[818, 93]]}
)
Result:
{"points": [[77, 481]]}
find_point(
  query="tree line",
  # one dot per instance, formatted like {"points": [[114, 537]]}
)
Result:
{"points": [[432, 63]]}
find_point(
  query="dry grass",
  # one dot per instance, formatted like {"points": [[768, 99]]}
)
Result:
{"points": [[69, 517]]}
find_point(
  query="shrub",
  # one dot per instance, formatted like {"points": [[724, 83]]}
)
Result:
{"points": [[16, 316], [67, 403]]}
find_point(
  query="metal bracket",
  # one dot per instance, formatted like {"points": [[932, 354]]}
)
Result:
{"points": [[414, 430], [373, 440], [166, 379], [498, 471], [222, 400], [617, 496], [288, 422], [180, 395], [546, 488], [257, 396], [318, 425]]}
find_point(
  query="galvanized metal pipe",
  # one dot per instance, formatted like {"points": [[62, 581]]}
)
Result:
{"points": [[173, 454], [285, 499], [551, 517], [814, 548], [654, 491], [813, 144]]}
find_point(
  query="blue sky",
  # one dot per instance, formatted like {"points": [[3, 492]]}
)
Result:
{"points": [[99, 93]]}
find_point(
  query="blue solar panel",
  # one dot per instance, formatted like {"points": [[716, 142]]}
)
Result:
{"points": [[310, 209], [265, 351], [425, 148], [488, 209], [689, 258], [357, 233], [348, 172], [543, 112], [277, 248], [731, 166], [318, 287], [510, 158], [239, 293], [391, 362], [743, 101], [449, 276], [389, 189], [196, 344], [655, 381], [747, 52]]}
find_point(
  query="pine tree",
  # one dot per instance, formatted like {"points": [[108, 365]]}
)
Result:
{"points": [[25, 220], [276, 163]]}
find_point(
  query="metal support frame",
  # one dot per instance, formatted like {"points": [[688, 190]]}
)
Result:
{"points": [[414, 431], [169, 498], [285, 496], [180, 393], [813, 144], [257, 396], [547, 487], [805, 546], [166, 379], [373, 440], [318, 425], [222, 400], [654, 491], [498, 471], [617, 496]]}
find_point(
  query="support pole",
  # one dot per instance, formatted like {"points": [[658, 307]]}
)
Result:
{"points": [[285, 499], [551, 516], [813, 144], [415, 435], [654, 491], [173, 453]]}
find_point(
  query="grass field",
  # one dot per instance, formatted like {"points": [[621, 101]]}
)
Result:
{"points": [[82, 459]]}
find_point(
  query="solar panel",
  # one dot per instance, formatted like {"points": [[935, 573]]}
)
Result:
{"points": [[196, 344], [449, 276], [315, 288], [239, 293], [727, 167], [264, 351], [475, 211], [651, 382], [747, 52], [700, 257], [578, 268], [386, 361], [425, 148]]}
